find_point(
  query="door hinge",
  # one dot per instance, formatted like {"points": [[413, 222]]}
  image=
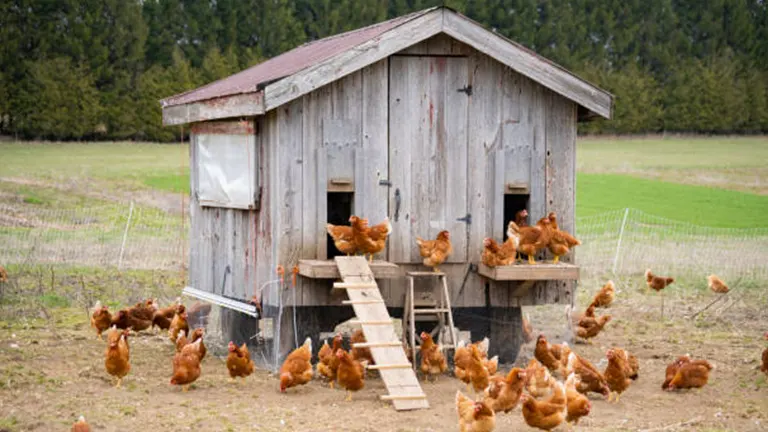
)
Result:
{"points": [[466, 219], [467, 90], [383, 182]]}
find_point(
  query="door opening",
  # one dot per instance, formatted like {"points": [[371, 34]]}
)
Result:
{"points": [[512, 204], [340, 205]]}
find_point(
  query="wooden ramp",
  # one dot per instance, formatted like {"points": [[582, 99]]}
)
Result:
{"points": [[391, 362]]}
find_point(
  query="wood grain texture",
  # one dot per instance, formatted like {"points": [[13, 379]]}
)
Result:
{"points": [[525, 272], [242, 105], [528, 64], [327, 269]]}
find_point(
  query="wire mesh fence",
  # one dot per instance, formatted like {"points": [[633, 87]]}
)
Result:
{"points": [[121, 235]]}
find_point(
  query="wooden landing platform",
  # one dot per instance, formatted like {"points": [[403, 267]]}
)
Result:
{"points": [[327, 269], [527, 272]]}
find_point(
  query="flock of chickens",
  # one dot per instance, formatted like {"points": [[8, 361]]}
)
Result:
{"points": [[551, 390]]}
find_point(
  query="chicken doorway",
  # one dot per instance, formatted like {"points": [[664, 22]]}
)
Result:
{"points": [[340, 206], [512, 204]]}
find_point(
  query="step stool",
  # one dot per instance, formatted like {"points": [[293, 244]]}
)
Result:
{"points": [[418, 310]]}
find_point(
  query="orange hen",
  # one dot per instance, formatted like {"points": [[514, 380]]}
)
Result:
{"points": [[547, 414], [616, 373], [81, 425], [342, 238], [693, 374], [433, 361], [492, 254], [657, 283], [717, 285], [436, 251], [474, 416], [578, 404], [605, 296], [117, 359], [561, 242], [297, 369], [101, 319], [186, 365], [178, 323], [588, 327], [590, 379], [239, 363], [672, 369], [532, 239], [351, 374], [503, 393], [329, 363], [370, 240]]}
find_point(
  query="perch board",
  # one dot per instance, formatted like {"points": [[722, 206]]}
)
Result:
{"points": [[327, 269], [527, 272]]}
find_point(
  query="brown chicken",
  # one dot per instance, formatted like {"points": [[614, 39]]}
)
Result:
{"points": [[474, 416], [197, 334], [717, 285], [370, 240], [590, 379], [585, 318], [81, 425], [433, 361], [539, 382], [101, 319], [605, 296], [657, 283], [561, 242], [527, 330], [329, 363], [503, 393], [578, 404], [239, 363], [521, 218], [672, 369], [360, 354], [477, 372], [616, 373], [121, 320], [162, 317], [436, 251], [633, 366], [693, 374], [178, 323], [186, 365], [493, 256], [588, 328], [297, 368], [3, 275], [532, 239], [117, 358], [342, 238], [350, 375], [550, 356], [547, 414]]}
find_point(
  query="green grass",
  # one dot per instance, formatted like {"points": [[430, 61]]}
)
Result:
{"points": [[700, 205], [169, 182]]}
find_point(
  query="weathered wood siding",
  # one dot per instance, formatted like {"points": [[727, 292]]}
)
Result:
{"points": [[374, 125]]}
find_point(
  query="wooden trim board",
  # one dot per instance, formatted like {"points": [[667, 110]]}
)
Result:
{"points": [[242, 105], [327, 269], [527, 272]]}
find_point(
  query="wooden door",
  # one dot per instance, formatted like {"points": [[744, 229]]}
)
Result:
{"points": [[428, 111]]}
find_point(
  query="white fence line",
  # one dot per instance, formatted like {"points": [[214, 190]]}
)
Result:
{"points": [[622, 242]]}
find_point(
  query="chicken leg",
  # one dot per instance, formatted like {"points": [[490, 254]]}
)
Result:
{"points": [[531, 260], [556, 260], [349, 397], [185, 388], [119, 382]]}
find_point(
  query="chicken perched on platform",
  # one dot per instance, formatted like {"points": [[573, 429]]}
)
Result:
{"points": [[101, 319], [343, 238], [370, 240], [474, 416], [605, 296], [436, 251], [239, 363], [503, 393], [532, 239], [117, 359], [493, 256], [433, 361], [561, 242], [297, 369], [717, 285]]}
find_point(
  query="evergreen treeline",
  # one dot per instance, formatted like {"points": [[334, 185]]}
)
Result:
{"points": [[94, 69]]}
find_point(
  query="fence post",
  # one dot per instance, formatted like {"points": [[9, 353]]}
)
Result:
{"points": [[125, 237], [618, 244]]}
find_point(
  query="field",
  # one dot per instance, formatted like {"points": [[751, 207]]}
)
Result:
{"points": [[51, 365]]}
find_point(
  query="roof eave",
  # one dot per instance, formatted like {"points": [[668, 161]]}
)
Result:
{"points": [[232, 106]]}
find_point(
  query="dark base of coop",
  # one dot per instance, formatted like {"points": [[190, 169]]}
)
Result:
{"points": [[503, 325]]}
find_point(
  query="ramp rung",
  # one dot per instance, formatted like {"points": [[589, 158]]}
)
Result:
{"points": [[359, 322], [430, 311], [362, 302], [391, 366], [376, 344], [345, 285], [425, 274], [403, 397]]}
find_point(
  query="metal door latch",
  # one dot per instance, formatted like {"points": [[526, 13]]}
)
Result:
{"points": [[466, 219], [467, 90]]}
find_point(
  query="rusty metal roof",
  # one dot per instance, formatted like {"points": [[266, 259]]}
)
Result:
{"points": [[287, 63]]}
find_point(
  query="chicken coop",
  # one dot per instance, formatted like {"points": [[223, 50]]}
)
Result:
{"points": [[428, 119]]}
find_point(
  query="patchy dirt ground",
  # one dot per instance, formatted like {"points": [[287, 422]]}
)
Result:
{"points": [[52, 373]]}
